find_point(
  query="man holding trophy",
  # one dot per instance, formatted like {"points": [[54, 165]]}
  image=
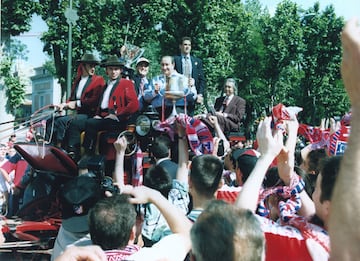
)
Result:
{"points": [[170, 92]]}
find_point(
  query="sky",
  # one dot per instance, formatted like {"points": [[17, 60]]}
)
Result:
{"points": [[36, 57], [345, 8]]}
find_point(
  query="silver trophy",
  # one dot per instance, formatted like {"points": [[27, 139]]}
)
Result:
{"points": [[177, 84], [131, 53]]}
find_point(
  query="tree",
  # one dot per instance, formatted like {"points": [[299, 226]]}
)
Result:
{"points": [[215, 37], [13, 86], [16, 17], [120, 21], [291, 57], [322, 90], [282, 36], [297, 54], [249, 52]]}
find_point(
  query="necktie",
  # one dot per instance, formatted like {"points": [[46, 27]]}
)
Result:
{"points": [[225, 103], [187, 66]]}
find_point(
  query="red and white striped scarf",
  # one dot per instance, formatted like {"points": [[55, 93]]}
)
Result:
{"points": [[199, 137]]}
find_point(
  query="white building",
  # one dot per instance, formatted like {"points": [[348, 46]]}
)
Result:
{"points": [[45, 89]]}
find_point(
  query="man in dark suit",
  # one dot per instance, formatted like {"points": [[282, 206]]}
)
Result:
{"points": [[191, 67], [161, 150], [229, 109]]}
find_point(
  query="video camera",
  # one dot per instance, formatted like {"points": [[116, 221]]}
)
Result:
{"points": [[96, 166]]}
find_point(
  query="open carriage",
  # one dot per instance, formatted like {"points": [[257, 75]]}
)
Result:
{"points": [[34, 228], [36, 225]]}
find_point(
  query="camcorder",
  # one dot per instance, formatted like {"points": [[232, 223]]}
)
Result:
{"points": [[96, 165]]}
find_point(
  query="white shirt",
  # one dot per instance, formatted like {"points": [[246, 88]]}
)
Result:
{"points": [[80, 89], [229, 99], [173, 247], [106, 96]]}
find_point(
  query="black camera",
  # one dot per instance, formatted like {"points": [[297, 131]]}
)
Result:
{"points": [[96, 165], [108, 185]]}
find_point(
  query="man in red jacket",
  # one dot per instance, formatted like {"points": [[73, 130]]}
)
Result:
{"points": [[118, 102], [84, 98]]}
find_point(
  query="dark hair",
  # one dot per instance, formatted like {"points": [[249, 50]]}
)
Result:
{"points": [[329, 172], [127, 72], [224, 232], [158, 178], [206, 172], [272, 178], [111, 221], [160, 147], [246, 164], [185, 38], [172, 60], [309, 179], [314, 159]]}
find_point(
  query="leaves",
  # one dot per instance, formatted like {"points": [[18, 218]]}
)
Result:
{"points": [[15, 89], [16, 16], [291, 57]]}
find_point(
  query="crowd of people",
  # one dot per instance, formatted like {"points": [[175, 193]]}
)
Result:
{"points": [[214, 200], [12, 170]]}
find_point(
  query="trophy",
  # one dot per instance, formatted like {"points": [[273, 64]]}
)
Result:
{"points": [[176, 91], [131, 53]]}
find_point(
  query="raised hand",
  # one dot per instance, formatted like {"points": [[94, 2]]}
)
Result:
{"points": [[269, 144], [120, 144], [350, 64]]}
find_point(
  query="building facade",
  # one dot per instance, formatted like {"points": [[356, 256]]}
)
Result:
{"points": [[45, 89]]}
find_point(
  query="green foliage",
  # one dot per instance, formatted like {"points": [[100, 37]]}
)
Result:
{"points": [[291, 57], [322, 91], [282, 38], [15, 89], [16, 16]]}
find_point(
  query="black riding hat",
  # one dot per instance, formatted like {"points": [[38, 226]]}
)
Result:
{"points": [[113, 60], [88, 58]]}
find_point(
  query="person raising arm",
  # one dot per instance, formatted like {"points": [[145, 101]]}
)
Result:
{"points": [[343, 226]]}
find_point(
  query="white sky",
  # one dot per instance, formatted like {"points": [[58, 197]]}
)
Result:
{"points": [[345, 8]]}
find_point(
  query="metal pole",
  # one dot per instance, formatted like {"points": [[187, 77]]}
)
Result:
{"points": [[69, 60]]}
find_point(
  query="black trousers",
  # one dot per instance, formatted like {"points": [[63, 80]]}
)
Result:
{"points": [[93, 126], [77, 125], [56, 128]]}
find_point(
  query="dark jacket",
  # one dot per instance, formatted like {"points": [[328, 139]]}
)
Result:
{"points": [[235, 111], [197, 72]]}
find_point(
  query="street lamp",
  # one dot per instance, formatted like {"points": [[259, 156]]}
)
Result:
{"points": [[71, 18]]}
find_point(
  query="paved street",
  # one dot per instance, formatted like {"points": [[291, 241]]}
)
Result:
{"points": [[23, 256]]}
